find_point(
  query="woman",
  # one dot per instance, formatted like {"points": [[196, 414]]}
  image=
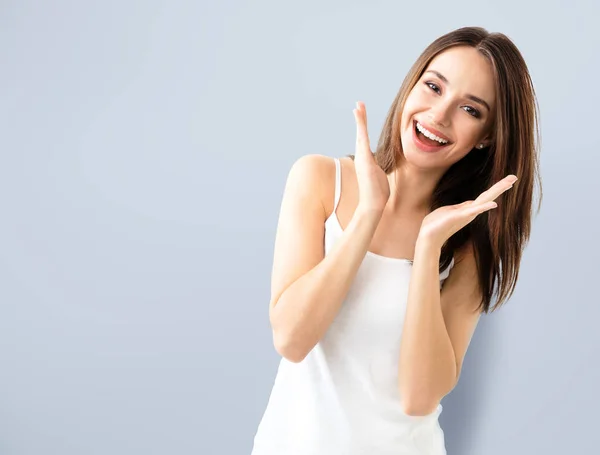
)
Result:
{"points": [[384, 262]]}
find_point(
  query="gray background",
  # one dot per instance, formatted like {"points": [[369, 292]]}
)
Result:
{"points": [[145, 147]]}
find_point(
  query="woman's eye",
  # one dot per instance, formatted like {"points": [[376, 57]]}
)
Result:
{"points": [[474, 112], [431, 84]]}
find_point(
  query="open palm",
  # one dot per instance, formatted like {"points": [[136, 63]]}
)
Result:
{"points": [[373, 185], [439, 225]]}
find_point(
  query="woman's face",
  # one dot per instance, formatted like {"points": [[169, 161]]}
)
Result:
{"points": [[456, 98]]}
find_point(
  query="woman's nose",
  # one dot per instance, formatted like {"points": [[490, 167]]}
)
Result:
{"points": [[439, 116], [440, 113]]}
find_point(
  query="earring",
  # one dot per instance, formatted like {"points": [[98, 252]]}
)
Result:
{"points": [[480, 146]]}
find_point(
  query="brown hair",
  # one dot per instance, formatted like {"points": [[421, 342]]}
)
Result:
{"points": [[499, 236]]}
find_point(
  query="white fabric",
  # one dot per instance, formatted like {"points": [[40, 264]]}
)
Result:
{"points": [[343, 399]]}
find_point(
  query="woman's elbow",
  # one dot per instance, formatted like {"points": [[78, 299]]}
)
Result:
{"points": [[288, 349]]}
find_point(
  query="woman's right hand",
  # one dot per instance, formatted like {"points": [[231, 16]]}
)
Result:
{"points": [[373, 185]]}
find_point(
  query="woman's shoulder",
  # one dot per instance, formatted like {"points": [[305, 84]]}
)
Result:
{"points": [[315, 173], [320, 165]]}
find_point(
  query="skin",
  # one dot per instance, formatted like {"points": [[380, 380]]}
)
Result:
{"points": [[439, 324], [446, 108], [403, 196], [388, 214]]}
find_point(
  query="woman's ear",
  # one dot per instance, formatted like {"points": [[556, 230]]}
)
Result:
{"points": [[486, 141]]}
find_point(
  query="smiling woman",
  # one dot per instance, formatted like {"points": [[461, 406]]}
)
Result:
{"points": [[473, 89], [384, 262]]}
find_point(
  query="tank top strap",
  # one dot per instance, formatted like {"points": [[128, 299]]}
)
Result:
{"points": [[338, 183]]}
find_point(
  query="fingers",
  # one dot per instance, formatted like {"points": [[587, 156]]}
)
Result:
{"points": [[480, 208], [360, 106], [496, 190], [472, 211], [362, 136]]}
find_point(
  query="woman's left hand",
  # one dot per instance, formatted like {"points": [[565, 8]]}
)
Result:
{"points": [[439, 225]]}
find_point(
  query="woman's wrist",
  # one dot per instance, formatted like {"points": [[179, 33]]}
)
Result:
{"points": [[427, 246], [369, 213]]}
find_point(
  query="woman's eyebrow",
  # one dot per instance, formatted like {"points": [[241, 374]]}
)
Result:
{"points": [[471, 97]]}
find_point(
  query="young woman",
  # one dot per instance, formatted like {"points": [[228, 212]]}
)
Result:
{"points": [[384, 262]]}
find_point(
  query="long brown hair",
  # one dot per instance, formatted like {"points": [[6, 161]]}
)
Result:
{"points": [[499, 236]]}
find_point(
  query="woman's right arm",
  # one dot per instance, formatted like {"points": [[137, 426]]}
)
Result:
{"points": [[308, 288]]}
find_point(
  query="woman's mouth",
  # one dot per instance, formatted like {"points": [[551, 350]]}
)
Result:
{"points": [[426, 144]]}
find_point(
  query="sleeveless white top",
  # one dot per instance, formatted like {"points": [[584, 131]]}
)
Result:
{"points": [[343, 398]]}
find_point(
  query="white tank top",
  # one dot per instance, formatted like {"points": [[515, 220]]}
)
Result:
{"points": [[343, 398]]}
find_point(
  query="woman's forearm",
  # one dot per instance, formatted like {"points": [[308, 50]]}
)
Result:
{"points": [[306, 309], [427, 365]]}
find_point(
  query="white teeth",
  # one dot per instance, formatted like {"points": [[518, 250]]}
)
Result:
{"points": [[430, 135]]}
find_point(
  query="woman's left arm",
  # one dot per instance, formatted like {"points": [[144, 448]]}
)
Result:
{"points": [[438, 326]]}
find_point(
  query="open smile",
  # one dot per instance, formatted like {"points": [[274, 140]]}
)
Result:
{"points": [[426, 144]]}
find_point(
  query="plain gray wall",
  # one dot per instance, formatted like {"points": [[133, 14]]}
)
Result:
{"points": [[145, 147]]}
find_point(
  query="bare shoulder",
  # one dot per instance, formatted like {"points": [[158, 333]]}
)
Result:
{"points": [[301, 225], [316, 174], [463, 279], [311, 173]]}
